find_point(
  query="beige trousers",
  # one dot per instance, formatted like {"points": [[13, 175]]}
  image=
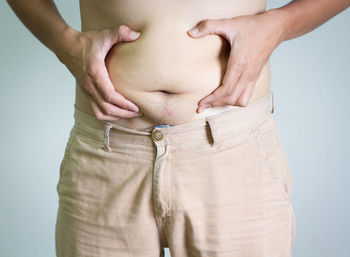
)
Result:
{"points": [[218, 186]]}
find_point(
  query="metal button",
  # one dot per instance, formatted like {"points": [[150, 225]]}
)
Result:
{"points": [[157, 135]]}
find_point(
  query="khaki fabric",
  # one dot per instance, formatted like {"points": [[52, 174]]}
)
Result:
{"points": [[218, 186]]}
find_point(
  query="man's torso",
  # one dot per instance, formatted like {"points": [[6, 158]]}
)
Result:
{"points": [[165, 58]]}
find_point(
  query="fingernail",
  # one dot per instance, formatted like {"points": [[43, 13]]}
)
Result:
{"points": [[134, 34], [194, 31], [200, 109], [134, 108], [138, 114]]}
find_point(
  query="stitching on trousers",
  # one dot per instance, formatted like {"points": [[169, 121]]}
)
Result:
{"points": [[107, 137]]}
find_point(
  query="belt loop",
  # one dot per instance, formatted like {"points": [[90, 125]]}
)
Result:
{"points": [[213, 130], [108, 127], [273, 105]]}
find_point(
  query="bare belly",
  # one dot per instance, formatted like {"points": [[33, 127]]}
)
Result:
{"points": [[165, 73]]}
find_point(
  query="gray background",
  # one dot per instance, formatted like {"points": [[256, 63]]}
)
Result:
{"points": [[310, 80]]}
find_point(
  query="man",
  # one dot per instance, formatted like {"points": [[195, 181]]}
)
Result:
{"points": [[148, 165]]}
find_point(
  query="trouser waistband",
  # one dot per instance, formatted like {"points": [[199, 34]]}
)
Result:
{"points": [[217, 126]]}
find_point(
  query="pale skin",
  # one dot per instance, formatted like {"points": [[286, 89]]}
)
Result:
{"points": [[252, 42], [252, 39]]}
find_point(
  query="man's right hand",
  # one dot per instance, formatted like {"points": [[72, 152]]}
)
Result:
{"points": [[85, 59]]}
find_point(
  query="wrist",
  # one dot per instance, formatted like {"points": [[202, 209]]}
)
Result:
{"points": [[278, 18], [66, 41]]}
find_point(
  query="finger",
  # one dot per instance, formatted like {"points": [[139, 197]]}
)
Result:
{"points": [[244, 98], [211, 100], [221, 99], [238, 90], [108, 108], [232, 75], [203, 107], [211, 27], [247, 82], [99, 114], [108, 92], [110, 37], [102, 116], [125, 33]]}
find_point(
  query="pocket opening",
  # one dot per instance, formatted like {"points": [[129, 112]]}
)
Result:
{"points": [[270, 151]]}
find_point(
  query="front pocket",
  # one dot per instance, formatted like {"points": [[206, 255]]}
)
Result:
{"points": [[273, 156]]}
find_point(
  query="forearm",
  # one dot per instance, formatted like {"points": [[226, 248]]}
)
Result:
{"points": [[299, 17], [42, 18]]}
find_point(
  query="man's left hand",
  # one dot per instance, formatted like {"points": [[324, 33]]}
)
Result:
{"points": [[252, 39]]}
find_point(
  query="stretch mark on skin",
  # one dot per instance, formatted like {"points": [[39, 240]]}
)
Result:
{"points": [[168, 111], [164, 99]]}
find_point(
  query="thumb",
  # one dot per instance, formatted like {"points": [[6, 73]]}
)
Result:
{"points": [[205, 27], [221, 27], [125, 33]]}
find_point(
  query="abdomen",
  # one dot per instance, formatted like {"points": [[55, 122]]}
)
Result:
{"points": [[165, 72]]}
